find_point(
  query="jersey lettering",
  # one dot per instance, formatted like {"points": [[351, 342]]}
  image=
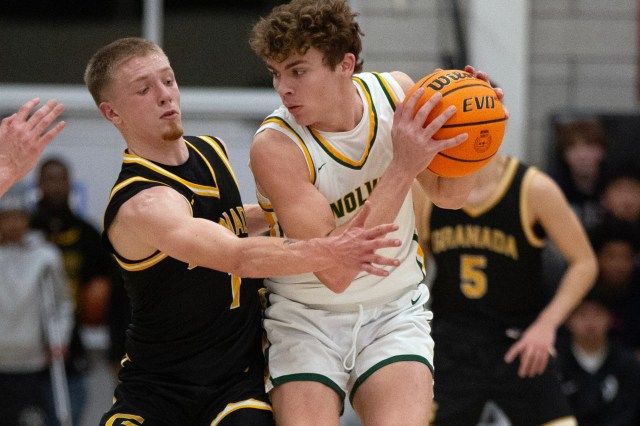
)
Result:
{"points": [[474, 236]]}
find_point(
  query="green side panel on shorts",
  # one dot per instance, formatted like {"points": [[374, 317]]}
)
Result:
{"points": [[309, 377], [385, 362]]}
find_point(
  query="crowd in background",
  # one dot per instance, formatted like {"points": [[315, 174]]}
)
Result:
{"points": [[599, 349]]}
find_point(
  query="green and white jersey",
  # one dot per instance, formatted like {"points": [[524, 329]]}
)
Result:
{"points": [[345, 167]]}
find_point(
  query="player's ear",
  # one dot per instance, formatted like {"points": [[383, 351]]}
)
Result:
{"points": [[107, 111], [348, 63]]}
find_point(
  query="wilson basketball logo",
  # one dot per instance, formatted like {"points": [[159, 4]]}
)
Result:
{"points": [[445, 80]]}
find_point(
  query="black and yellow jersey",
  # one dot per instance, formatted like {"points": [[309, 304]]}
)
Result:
{"points": [[190, 322], [488, 260]]}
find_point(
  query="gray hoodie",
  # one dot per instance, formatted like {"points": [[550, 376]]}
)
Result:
{"points": [[25, 329]]}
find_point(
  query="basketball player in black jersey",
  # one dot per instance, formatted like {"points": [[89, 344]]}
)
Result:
{"points": [[488, 303], [178, 229]]}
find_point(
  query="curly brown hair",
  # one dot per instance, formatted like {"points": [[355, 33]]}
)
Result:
{"points": [[327, 25], [100, 68]]}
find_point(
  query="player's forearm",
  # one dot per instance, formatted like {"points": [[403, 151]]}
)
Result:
{"points": [[337, 279], [7, 178], [575, 284], [265, 256]]}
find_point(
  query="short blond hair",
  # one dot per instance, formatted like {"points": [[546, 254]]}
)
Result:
{"points": [[100, 68]]}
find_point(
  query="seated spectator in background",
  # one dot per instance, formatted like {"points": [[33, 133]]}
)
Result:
{"points": [[581, 148], [621, 193], [617, 245], [600, 377], [25, 258], [88, 265]]}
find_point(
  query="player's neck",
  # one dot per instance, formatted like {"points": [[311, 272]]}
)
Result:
{"points": [[345, 113], [171, 153], [488, 179]]}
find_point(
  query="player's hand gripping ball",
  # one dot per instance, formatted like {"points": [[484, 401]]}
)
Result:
{"points": [[478, 113]]}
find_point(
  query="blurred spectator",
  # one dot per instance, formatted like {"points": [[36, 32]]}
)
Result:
{"points": [[88, 265], [621, 193], [617, 245], [600, 377], [581, 148], [25, 258]]}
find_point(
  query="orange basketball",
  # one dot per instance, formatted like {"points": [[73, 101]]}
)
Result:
{"points": [[479, 113]]}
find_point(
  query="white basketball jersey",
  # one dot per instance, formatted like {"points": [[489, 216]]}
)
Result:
{"points": [[345, 167]]}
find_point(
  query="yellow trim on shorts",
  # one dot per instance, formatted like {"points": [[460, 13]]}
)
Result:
{"points": [[119, 416], [563, 421], [234, 406]]}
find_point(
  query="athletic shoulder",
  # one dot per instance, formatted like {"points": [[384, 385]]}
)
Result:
{"points": [[403, 80]]}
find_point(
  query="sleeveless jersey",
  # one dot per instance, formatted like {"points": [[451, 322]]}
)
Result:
{"points": [[345, 168], [193, 323], [488, 274]]}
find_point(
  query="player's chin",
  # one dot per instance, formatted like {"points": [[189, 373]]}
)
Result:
{"points": [[173, 133]]}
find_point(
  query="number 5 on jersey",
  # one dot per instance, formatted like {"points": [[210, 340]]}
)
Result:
{"points": [[473, 280]]}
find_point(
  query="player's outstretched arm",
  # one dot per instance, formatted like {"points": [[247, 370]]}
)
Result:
{"points": [[548, 206], [134, 234], [24, 137]]}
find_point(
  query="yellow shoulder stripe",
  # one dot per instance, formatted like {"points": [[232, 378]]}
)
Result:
{"points": [[216, 146], [202, 190], [298, 141], [524, 209], [499, 193]]}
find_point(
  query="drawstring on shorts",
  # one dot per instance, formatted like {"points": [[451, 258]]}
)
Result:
{"points": [[351, 355]]}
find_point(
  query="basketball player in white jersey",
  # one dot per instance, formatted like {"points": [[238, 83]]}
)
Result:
{"points": [[340, 139]]}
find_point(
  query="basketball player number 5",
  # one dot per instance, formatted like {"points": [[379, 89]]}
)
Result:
{"points": [[236, 282], [473, 280]]}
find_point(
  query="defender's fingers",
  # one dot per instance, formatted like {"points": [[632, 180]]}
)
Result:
{"points": [[51, 134], [379, 243], [24, 110], [380, 230], [7, 120], [376, 259], [51, 116], [369, 268], [40, 113]]}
